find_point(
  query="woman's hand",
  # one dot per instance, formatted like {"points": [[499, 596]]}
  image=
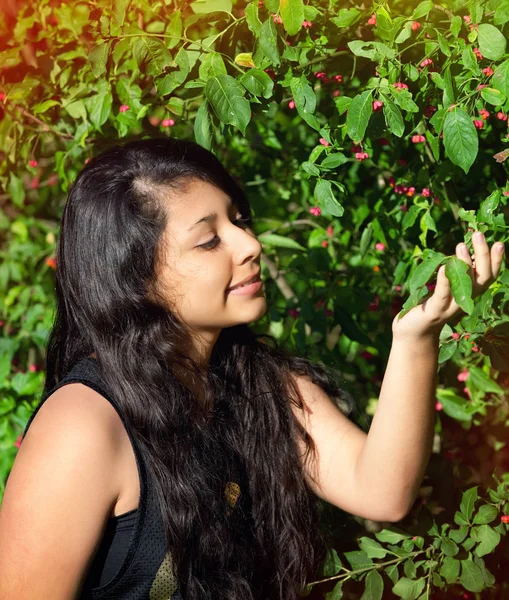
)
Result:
{"points": [[428, 318]]}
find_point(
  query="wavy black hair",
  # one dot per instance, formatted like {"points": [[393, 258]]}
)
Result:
{"points": [[107, 302]]}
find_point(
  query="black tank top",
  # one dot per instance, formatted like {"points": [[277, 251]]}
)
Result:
{"points": [[131, 562]]}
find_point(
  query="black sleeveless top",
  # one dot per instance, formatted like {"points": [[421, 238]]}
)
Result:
{"points": [[131, 562]]}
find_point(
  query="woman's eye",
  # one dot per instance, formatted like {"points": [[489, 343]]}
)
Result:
{"points": [[215, 242]]}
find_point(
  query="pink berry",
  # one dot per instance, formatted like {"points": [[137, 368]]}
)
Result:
{"points": [[455, 336], [438, 406], [167, 122], [426, 192], [277, 19], [338, 78], [379, 246], [324, 142], [504, 518], [415, 25], [466, 18], [463, 375], [488, 71], [33, 163], [324, 243], [479, 124], [2, 96], [401, 86], [291, 104], [330, 231], [501, 116], [32, 368], [484, 113], [377, 105], [426, 62], [372, 20], [416, 139], [336, 93], [307, 24], [315, 210]]}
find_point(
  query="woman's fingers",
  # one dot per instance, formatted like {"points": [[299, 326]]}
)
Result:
{"points": [[484, 274]]}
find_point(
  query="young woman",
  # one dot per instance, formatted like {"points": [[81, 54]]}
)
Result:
{"points": [[174, 453]]}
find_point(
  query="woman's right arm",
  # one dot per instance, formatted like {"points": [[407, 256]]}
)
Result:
{"points": [[59, 495]]}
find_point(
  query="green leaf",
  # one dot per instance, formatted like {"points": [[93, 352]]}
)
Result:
{"points": [[252, 19], [457, 271], [489, 539], [292, 14], [492, 41], [450, 569], [332, 564], [458, 535], [358, 115], [404, 34], [268, 41], [226, 96], [153, 53], [493, 96], [332, 161], [409, 589], [358, 559], [174, 29], [98, 57], [468, 500], [486, 514], [460, 138], [305, 100], [457, 408], [337, 592], [425, 270], [390, 536], [209, 6], [16, 190], [422, 9], [342, 103], [203, 126], [346, 17], [393, 117], [449, 548], [471, 576], [99, 108], [500, 78], [211, 65], [469, 59], [323, 194], [455, 25], [258, 83], [374, 586], [403, 99], [372, 548], [279, 241], [501, 13], [482, 381]]}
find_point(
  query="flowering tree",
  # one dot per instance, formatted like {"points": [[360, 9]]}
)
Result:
{"points": [[370, 143]]}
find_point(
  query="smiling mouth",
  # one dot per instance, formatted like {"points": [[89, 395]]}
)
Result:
{"points": [[251, 281]]}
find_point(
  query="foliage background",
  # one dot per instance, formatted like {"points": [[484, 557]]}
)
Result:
{"points": [[371, 139]]}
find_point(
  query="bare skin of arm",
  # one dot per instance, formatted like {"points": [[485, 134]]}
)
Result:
{"points": [[376, 475], [60, 492]]}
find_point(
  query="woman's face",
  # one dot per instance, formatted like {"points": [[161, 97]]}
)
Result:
{"points": [[205, 257]]}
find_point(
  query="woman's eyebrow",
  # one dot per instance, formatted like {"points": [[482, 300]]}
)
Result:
{"points": [[210, 217]]}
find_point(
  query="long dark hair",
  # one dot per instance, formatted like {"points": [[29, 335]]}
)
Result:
{"points": [[106, 265]]}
